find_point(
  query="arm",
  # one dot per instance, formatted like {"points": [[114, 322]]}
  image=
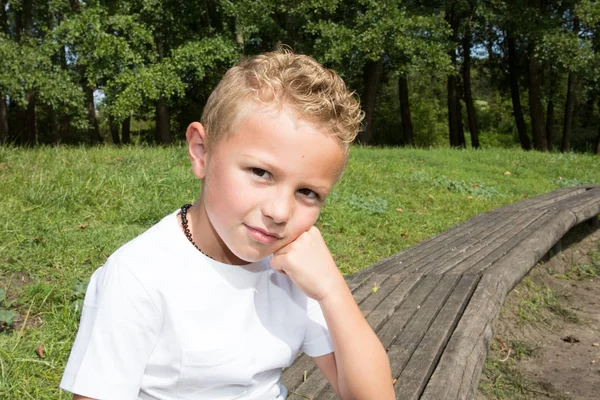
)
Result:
{"points": [[359, 367], [361, 364]]}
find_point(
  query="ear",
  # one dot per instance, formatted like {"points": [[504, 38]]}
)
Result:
{"points": [[196, 139]]}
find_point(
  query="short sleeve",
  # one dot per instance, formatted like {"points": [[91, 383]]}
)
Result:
{"points": [[118, 330], [317, 340]]}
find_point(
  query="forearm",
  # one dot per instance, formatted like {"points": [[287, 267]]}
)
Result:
{"points": [[363, 369]]}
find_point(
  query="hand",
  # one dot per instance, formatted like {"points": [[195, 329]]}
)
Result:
{"points": [[309, 264]]}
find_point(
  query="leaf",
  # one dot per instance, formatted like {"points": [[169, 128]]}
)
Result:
{"points": [[375, 288], [507, 173], [39, 239], [40, 351], [570, 339], [8, 317]]}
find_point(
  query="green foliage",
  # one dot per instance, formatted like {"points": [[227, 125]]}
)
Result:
{"points": [[7, 317], [28, 66]]}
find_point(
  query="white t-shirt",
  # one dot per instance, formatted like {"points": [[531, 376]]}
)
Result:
{"points": [[162, 321]]}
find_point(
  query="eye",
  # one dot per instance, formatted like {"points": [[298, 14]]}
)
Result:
{"points": [[260, 172], [309, 193]]}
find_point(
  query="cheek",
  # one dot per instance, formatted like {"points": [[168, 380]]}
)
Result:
{"points": [[305, 219], [228, 194]]}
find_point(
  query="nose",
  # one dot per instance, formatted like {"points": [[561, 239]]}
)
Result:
{"points": [[279, 206]]}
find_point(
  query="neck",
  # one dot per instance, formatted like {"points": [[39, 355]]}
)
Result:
{"points": [[206, 237]]}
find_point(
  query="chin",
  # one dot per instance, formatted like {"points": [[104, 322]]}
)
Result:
{"points": [[250, 256]]}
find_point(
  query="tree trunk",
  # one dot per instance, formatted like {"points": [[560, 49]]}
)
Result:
{"points": [[597, 144], [570, 102], [536, 110], [471, 116], [588, 112], [550, 114], [3, 120], [407, 128], [126, 131], [3, 17], [515, 94], [454, 118], [569, 110], [64, 130], [29, 137], [94, 133], [75, 5], [54, 126], [550, 122], [372, 75], [163, 128], [461, 128], [114, 130]]}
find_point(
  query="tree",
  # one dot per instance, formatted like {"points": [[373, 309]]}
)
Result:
{"points": [[467, 41], [29, 77], [368, 39]]}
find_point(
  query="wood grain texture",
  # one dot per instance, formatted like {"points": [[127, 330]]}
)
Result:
{"points": [[479, 246], [517, 263], [405, 344], [434, 304], [503, 244], [419, 368], [457, 373]]}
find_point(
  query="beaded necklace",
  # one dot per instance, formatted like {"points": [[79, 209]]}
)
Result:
{"points": [[186, 229]]}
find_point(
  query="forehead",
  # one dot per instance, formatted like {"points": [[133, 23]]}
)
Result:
{"points": [[275, 135]]}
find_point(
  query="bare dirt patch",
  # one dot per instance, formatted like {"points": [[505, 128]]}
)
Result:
{"points": [[547, 337]]}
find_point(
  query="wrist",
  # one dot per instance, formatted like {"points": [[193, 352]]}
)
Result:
{"points": [[336, 295]]}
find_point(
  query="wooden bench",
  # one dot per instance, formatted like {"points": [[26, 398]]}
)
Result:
{"points": [[437, 301]]}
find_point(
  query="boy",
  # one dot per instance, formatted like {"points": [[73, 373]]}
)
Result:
{"points": [[217, 298]]}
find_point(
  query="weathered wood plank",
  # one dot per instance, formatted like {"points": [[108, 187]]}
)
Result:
{"points": [[413, 261], [317, 383], [419, 368], [402, 260], [544, 200], [513, 266], [368, 299], [457, 373], [581, 201], [394, 326], [406, 343], [489, 254], [418, 288], [456, 244], [588, 209], [395, 299], [293, 375], [477, 244]]}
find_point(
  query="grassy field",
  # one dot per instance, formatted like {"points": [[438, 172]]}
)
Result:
{"points": [[65, 210]]}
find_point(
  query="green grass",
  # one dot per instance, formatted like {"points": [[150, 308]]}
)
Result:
{"points": [[537, 303], [65, 210], [501, 378]]}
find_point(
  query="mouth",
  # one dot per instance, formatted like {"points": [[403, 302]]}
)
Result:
{"points": [[261, 235]]}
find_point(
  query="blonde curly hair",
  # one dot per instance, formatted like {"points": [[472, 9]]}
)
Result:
{"points": [[314, 93]]}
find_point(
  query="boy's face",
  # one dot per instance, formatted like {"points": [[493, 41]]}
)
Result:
{"points": [[264, 185]]}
